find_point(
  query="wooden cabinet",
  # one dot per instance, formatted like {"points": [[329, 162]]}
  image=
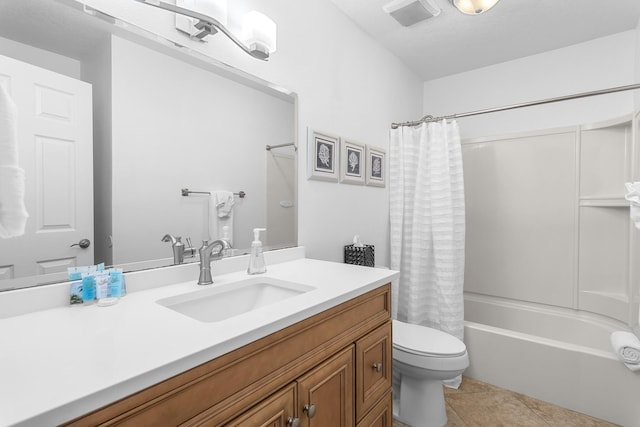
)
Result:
{"points": [[332, 369], [324, 398], [381, 415], [326, 393], [276, 411], [373, 364]]}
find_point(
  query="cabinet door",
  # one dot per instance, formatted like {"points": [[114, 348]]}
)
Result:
{"points": [[325, 394], [373, 368], [276, 411], [381, 415]]}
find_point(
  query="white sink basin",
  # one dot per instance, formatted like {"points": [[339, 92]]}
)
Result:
{"points": [[222, 302]]}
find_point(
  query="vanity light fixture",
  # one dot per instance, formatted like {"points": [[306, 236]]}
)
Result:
{"points": [[259, 32], [474, 7], [214, 8]]}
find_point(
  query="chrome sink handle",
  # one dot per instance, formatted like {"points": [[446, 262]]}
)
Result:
{"points": [[189, 250], [206, 252]]}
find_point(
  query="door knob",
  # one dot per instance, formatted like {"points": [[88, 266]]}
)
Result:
{"points": [[377, 367], [293, 422], [310, 410], [84, 243]]}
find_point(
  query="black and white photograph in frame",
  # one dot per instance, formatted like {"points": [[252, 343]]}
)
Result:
{"points": [[352, 162], [376, 167], [323, 153]]}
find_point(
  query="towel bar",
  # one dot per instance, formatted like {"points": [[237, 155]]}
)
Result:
{"points": [[186, 192]]}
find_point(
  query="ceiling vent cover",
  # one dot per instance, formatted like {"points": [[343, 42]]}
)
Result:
{"points": [[409, 12]]}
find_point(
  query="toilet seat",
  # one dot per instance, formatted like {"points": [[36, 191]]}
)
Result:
{"points": [[423, 341]]}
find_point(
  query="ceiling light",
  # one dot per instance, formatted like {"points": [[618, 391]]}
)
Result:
{"points": [[474, 7], [259, 31]]}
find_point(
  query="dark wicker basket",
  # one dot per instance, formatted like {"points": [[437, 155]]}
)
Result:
{"points": [[360, 255]]}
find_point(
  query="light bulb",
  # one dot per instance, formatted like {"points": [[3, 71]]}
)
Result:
{"points": [[259, 33], [474, 7]]}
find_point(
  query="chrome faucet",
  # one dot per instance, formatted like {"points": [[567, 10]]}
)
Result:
{"points": [[178, 248], [206, 253]]}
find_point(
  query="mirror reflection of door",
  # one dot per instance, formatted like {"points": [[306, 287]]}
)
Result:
{"points": [[55, 148]]}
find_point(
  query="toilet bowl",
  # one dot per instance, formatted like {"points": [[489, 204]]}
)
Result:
{"points": [[424, 357]]}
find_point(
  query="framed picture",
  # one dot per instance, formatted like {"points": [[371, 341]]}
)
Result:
{"points": [[323, 153], [352, 162], [376, 169]]}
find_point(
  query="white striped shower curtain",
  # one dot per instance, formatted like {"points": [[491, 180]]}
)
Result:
{"points": [[427, 226]]}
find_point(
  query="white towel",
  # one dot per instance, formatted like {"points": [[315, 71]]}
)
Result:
{"points": [[8, 130], [224, 202], [633, 196], [221, 214], [13, 215], [627, 347]]}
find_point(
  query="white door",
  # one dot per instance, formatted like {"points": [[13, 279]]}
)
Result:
{"points": [[55, 148]]}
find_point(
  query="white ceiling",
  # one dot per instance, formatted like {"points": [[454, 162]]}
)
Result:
{"points": [[447, 44], [452, 42], [60, 29]]}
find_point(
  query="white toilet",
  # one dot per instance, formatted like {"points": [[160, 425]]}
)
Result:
{"points": [[424, 357]]}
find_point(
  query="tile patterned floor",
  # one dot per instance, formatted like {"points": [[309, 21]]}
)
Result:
{"points": [[477, 404]]}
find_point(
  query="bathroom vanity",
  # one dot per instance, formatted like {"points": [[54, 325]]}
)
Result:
{"points": [[319, 358], [311, 370]]}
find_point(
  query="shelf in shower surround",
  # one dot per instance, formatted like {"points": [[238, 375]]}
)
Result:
{"points": [[618, 296], [604, 202]]}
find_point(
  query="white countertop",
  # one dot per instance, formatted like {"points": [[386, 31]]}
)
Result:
{"points": [[62, 362]]}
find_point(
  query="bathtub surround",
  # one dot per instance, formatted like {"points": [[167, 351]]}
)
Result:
{"points": [[553, 354], [427, 216], [551, 254]]}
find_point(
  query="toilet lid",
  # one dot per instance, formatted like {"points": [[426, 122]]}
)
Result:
{"points": [[419, 339]]}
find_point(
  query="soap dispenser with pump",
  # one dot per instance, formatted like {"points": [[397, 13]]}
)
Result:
{"points": [[256, 259]]}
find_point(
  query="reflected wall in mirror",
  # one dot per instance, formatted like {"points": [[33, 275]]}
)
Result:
{"points": [[152, 120]]}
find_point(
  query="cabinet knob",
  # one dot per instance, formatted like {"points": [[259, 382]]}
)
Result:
{"points": [[293, 422], [310, 410], [377, 367]]}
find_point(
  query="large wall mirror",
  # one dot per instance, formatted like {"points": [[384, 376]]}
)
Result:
{"points": [[114, 124]]}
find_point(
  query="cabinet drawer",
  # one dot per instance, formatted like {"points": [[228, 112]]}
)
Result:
{"points": [[373, 368], [274, 411], [381, 415]]}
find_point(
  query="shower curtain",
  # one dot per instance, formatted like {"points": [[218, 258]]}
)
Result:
{"points": [[427, 227]]}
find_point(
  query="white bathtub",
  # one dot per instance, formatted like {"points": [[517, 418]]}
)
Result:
{"points": [[556, 355]]}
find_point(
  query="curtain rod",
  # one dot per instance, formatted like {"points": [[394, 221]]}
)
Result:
{"points": [[428, 118]]}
